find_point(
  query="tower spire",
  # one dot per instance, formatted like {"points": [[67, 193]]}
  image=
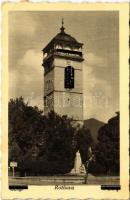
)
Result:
{"points": [[62, 27]]}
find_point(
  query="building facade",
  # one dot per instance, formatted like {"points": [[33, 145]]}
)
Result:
{"points": [[63, 76]]}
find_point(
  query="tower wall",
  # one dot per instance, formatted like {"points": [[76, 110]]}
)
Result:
{"points": [[56, 97], [59, 75], [70, 104], [48, 103], [48, 82], [49, 91], [68, 101], [63, 62]]}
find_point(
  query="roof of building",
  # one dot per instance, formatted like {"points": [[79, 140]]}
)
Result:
{"points": [[63, 37]]}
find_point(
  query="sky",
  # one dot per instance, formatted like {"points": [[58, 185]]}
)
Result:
{"points": [[31, 31]]}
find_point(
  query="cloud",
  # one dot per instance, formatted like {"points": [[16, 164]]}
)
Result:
{"points": [[98, 92], [22, 25], [27, 79], [94, 60], [92, 82]]}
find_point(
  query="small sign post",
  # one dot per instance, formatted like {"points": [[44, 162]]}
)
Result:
{"points": [[13, 165]]}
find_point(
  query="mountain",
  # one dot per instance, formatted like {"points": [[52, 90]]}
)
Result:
{"points": [[93, 125]]}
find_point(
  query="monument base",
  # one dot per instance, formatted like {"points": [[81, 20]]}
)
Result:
{"points": [[79, 171]]}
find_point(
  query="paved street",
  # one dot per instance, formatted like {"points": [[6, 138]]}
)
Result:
{"points": [[49, 180]]}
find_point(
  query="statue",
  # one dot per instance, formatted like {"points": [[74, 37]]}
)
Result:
{"points": [[78, 166]]}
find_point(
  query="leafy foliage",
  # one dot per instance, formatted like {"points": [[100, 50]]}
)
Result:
{"points": [[48, 144], [25, 124], [84, 141], [40, 144], [107, 149]]}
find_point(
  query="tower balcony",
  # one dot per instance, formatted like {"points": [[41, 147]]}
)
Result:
{"points": [[71, 55]]}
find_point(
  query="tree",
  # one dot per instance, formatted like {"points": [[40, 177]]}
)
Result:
{"points": [[40, 144], [107, 149], [84, 141], [59, 134], [25, 124]]}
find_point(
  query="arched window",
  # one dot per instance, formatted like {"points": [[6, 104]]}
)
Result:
{"points": [[69, 77]]}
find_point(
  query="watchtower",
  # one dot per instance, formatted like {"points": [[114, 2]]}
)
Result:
{"points": [[63, 76]]}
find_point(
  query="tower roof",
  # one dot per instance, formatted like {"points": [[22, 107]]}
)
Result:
{"points": [[64, 39]]}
